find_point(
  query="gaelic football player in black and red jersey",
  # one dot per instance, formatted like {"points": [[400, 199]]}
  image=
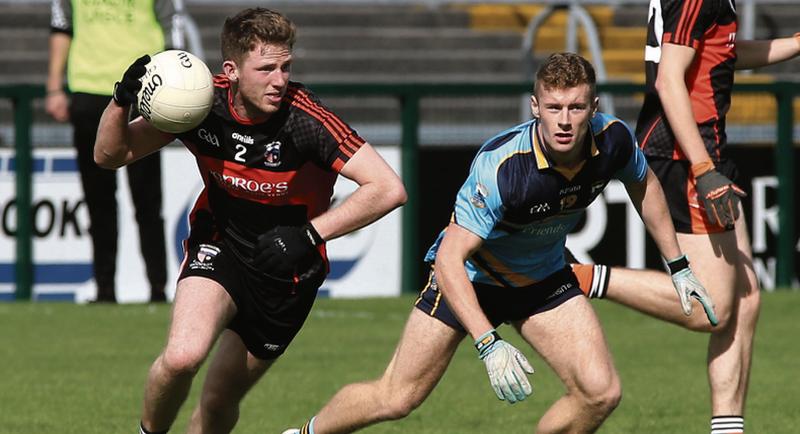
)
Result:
{"points": [[691, 55], [269, 154]]}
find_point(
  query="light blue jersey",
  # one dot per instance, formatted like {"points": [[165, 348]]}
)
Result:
{"points": [[523, 207]]}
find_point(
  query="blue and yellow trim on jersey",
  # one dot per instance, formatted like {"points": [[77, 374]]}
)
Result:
{"points": [[523, 205]]}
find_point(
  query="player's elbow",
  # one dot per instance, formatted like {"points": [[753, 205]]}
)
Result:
{"points": [[105, 160], [661, 84], [394, 194]]}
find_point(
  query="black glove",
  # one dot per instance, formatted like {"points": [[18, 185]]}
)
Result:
{"points": [[720, 198], [287, 251], [125, 90]]}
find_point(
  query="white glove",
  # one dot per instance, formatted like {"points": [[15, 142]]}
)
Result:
{"points": [[688, 286], [506, 366]]}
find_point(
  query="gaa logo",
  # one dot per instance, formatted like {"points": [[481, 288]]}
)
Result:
{"points": [[208, 137], [186, 62]]}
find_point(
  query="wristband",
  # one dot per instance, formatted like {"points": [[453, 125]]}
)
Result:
{"points": [[313, 236], [485, 341], [678, 264], [700, 169]]}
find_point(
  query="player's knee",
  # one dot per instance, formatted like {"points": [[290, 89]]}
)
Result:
{"points": [[218, 406], [400, 402], [180, 362], [601, 398], [750, 305], [698, 322]]}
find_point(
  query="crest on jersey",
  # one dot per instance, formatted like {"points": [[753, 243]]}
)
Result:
{"points": [[205, 258], [478, 198], [272, 154]]}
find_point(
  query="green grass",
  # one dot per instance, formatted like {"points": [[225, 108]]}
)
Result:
{"points": [[81, 369]]}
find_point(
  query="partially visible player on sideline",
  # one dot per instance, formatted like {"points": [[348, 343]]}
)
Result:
{"points": [[501, 260], [691, 55], [91, 43], [269, 154]]}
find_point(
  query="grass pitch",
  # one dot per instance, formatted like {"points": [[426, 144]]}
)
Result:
{"points": [[81, 369]]}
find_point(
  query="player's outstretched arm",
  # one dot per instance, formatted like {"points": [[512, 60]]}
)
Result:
{"points": [[648, 198], [755, 54], [118, 142], [505, 365]]}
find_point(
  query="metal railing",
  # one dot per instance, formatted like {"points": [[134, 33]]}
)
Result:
{"points": [[409, 95], [576, 14]]}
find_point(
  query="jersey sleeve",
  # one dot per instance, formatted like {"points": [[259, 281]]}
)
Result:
{"points": [[326, 139], [338, 142], [61, 17], [479, 205], [685, 21], [635, 164]]}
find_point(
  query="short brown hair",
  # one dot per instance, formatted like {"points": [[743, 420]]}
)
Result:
{"points": [[564, 71], [242, 32]]}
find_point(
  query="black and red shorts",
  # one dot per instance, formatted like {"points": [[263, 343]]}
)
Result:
{"points": [[501, 304], [267, 317], [688, 213]]}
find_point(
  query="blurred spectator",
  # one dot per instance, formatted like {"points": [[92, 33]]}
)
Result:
{"points": [[93, 42]]}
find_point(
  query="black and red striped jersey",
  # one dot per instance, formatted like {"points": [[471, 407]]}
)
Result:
{"points": [[260, 175], [708, 26]]}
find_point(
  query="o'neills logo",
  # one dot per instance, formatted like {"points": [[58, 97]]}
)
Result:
{"points": [[148, 90], [258, 188], [242, 138]]}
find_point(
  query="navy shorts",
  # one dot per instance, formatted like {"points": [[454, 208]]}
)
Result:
{"points": [[502, 304], [687, 211], [267, 317]]}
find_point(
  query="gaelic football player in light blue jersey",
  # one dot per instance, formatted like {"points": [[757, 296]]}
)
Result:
{"points": [[501, 260]]}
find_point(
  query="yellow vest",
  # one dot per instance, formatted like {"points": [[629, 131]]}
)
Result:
{"points": [[108, 35]]}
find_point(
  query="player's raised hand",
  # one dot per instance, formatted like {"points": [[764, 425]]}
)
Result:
{"points": [[506, 366], [687, 286], [127, 88], [720, 197]]}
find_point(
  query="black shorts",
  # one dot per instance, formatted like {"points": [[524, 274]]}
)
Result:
{"points": [[688, 213], [267, 318], [501, 304]]}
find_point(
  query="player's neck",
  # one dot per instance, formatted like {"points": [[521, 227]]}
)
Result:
{"points": [[246, 111], [568, 160]]}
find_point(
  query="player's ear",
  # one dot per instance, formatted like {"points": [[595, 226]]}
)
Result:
{"points": [[231, 70], [534, 106]]}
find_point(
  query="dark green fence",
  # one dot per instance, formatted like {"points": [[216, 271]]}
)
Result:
{"points": [[22, 97], [409, 96]]}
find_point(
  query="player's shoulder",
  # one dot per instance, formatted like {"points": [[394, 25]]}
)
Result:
{"points": [[305, 106], [611, 133], [505, 144], [298, 95], [222, 88]]}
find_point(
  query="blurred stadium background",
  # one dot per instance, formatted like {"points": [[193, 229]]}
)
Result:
{"points": [[74, 369], [413, 50]]}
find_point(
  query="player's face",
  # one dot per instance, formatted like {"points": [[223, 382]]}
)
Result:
{"points": [[564, 116], [262, 78]]}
